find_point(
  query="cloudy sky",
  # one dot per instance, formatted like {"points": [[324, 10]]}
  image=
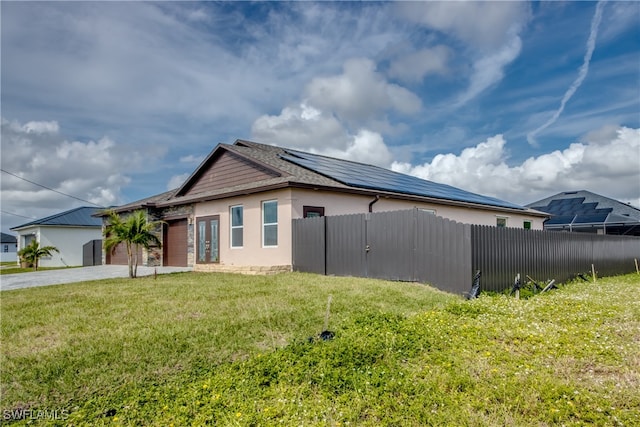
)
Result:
{"points": [[113, 102]]}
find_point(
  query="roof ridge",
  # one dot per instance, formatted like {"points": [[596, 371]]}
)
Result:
{"points": [[343, 160]]}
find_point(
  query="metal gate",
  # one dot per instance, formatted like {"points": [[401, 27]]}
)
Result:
{"points": [[92, 253], [411, 245]]}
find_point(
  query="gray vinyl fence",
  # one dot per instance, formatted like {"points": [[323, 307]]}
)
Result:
{"points": [[501, 253], [418, 246]]}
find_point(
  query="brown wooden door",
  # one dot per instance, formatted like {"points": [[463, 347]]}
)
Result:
{"points": [[175, 243], [208, 239]]}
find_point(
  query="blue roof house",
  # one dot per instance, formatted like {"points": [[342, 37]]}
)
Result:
{"points": [[235, 211], [8, 248], [68, 231]]}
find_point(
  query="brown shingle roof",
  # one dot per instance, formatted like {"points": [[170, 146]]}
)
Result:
{"points": [[291, 175]]}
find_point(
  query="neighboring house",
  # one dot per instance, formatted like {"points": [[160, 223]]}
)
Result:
{"points": [[9, 248], [587, 212], [235, 211], [68, 231]]}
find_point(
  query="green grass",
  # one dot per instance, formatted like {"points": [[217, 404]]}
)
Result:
{"points": [[193, 349], [63, 345]]}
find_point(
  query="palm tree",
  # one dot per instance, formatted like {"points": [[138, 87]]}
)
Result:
{"points": [[32, 253], [134, 231]]}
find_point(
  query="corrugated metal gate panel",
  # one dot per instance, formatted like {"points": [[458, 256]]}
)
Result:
{"points": [[390, 239], [92, 253], [309, 245], [175, 243], [443, 253], [346, 241]]}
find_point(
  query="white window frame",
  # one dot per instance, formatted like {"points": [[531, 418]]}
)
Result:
{"points": [[270, 224], [235, 227], [506, 221]]}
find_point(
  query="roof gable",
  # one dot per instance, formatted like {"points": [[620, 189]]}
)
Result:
{"points": [[78, 217], [225, 167]]}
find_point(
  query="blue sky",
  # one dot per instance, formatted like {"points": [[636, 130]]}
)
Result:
{"points": [[113, 102]]}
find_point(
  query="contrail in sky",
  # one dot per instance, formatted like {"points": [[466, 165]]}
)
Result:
{"points": [[584, 69]]}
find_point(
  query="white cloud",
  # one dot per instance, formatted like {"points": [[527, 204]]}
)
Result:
{"points": [[489, 70], [364, 147], [480, 24], [323, 122], [177, 180], [489, 32], [306, 128], [360, 93], [300, 126], [603, 163], [41, 127], [191, 159], [94, 171], [414, 66], [582, 74]]}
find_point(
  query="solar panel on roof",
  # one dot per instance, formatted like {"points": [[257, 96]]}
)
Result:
{"points": [[587, 208], [591, 219], [372, 177], [560, 220]]}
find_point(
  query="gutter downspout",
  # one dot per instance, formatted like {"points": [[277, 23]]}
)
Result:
{"points": [[373, 202]]}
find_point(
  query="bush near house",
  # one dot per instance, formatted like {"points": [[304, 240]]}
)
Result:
{"points": [[197, 349], [30, 255]]}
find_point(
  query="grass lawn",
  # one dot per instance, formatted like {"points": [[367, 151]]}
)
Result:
{"points": [[196, 349]]}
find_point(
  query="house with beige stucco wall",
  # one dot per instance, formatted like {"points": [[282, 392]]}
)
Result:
{"points": [[235, 211]]}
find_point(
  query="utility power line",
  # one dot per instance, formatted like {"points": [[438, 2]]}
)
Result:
{"points": [[50, 189], [15, 214]]}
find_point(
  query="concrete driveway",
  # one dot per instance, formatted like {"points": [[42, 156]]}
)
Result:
{"points": [[82, 274]]}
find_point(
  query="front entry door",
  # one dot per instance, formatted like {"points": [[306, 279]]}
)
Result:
{"points": [[208, 239]]}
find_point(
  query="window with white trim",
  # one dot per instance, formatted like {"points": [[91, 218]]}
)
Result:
{"points": [[237, 226], [270, 223], [501, 221]]}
